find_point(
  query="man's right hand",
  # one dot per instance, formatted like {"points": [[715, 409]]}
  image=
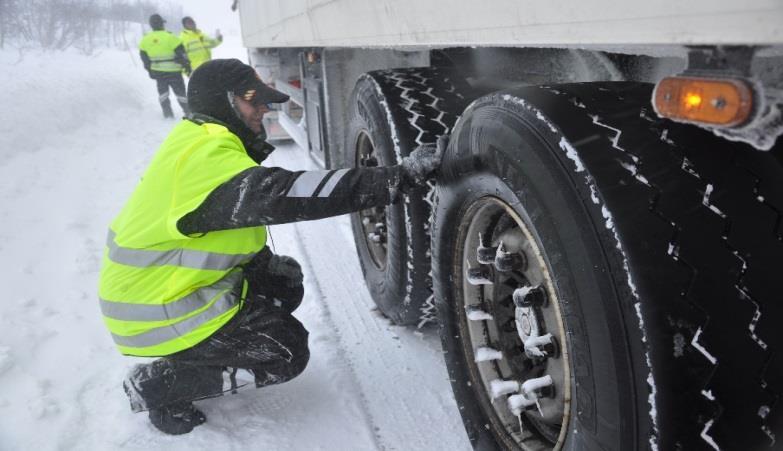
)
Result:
{"points": [[425, 160]]}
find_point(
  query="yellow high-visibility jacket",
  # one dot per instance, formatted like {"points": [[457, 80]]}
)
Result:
{"points": [[160, 47], [198, 46], [162, 291]]}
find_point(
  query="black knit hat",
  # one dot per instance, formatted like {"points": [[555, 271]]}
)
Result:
{"points": [[156, 21]]}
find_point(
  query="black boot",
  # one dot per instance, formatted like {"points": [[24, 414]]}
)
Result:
{"points": [[177, 419]]}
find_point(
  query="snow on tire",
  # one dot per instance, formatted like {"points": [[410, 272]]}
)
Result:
{"points": [[394, 111], [654, 247]]}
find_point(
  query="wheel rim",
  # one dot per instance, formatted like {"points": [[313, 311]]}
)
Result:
{"points": [[373, 220], [515, 347]]}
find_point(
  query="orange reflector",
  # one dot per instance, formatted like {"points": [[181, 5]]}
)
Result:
{"points": [[724, 102]]}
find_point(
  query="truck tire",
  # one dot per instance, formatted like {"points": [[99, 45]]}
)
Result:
{"points": [[394, 111], [647, 249]]}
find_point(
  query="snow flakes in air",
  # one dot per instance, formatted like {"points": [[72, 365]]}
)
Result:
{"points": [[6, 361]]}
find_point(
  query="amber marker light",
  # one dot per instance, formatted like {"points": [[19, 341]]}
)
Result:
{"points": [[721, 102]]}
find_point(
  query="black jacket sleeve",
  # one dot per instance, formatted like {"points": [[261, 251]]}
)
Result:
{"points": [[145, 59], [265, 196], [181, 57]]}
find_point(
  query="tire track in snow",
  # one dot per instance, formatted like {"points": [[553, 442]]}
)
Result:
{"points": [[400, 373], [327, 319]]}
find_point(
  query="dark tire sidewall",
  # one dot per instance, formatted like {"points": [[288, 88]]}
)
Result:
{"points": [[386, 286], [490, 157]]}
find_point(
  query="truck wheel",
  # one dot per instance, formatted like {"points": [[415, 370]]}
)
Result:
{"points": [[605, 278], [393, 111]]}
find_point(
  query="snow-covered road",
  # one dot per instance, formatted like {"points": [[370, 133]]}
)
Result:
{"points": [[75, 135]]}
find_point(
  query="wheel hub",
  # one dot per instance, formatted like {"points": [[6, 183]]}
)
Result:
{"points": [[373, 219], [514, 328]]}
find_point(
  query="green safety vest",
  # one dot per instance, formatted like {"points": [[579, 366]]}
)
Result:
{"points": [[159, 46], [197, 45], [161, 291]]}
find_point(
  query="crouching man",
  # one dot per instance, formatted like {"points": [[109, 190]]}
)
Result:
{"points": [[186, 273]]}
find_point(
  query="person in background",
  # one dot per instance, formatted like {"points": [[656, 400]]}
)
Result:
{"points": [[187, 275], [197, 45], [165, 59]]}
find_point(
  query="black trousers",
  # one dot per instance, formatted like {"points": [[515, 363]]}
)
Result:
{"points": [[173, 80], [262, 345]]}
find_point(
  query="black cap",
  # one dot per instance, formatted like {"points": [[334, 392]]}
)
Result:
{"points": [[211, 89], [216, 77], [156, 21]]}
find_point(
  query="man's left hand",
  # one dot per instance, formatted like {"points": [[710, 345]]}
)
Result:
{"points": [[283, 282], [284, 270]]}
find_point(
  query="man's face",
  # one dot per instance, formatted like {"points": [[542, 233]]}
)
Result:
{"points": [[251, 114], [189, 25]]}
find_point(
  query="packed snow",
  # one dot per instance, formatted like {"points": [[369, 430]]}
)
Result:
{"points": [[76, 133]]}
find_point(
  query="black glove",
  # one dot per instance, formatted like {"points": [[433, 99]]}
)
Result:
{"points": [[424, 161], [284, 282], [276, 278]]}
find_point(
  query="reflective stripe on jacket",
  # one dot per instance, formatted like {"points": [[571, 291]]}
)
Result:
{"points": [[160, 47], [162, 291], [197, 46]]}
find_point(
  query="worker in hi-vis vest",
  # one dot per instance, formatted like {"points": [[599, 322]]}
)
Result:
{"points": [[164, 59], [187, 274], [198, 46]]}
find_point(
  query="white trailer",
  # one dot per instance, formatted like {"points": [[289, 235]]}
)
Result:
{"points": [[601, 246]]}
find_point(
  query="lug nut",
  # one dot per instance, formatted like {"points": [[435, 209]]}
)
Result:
{"points": [[485, 253], [541, 347], [480, 275], [503, 261], [500, 387], [375, 237], [520, 403], [529, 297], [507, 261], [533, 387]]}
